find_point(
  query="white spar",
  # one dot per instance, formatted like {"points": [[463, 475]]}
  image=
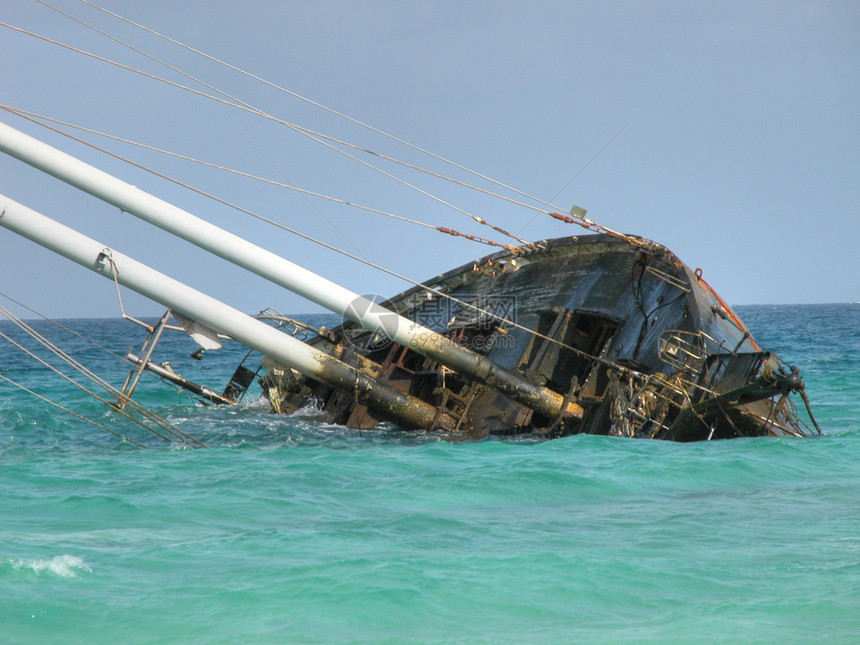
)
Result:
{"points": [[281, 271], [229, 246], [189, 302]]}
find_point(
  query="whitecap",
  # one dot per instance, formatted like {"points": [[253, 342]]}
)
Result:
{"points": [[65, 566]]}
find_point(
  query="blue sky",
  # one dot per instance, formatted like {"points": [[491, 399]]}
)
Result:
{"points": [[727, 131]]}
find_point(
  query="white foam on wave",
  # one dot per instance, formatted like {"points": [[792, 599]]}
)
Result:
{"points": [[65, 566]]}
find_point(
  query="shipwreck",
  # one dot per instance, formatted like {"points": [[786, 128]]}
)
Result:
{"points": [[633, 341], [601, 333], [604, 333]]}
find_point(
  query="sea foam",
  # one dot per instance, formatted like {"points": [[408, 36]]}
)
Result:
{"points": [[65, 566]]}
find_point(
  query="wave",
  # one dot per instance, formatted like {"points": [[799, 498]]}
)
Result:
{"points": [[64, 566]]}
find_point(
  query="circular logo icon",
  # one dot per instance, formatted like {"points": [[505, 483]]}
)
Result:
{"points": [[376, 325]]}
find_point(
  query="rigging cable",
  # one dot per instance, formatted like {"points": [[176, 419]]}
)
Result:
{"points": [[429, 290], [74, 364], [63, 327], [241, 173], [320, 138], [578, 219], [72, 412], [316, 104], [90, 341], [312, 133], [76, 384], [585, 221]]}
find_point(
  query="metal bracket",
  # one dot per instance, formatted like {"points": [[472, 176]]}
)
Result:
{"points": [[103, 259]]}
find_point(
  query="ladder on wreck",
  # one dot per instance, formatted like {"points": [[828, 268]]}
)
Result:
{"points": [[659, 398], [704, 382]]}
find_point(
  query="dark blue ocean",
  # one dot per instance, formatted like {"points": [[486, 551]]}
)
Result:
{"points": [[288, 530]]}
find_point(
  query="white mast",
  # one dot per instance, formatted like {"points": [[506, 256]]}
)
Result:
{"points": [[282, 272], [390, 402]]}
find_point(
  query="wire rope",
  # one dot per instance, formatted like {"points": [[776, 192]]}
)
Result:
{"points": [[321, 106], [573, 218], [580, 220], [72, 412], [318, 137], [415, 283], [76, 365]]}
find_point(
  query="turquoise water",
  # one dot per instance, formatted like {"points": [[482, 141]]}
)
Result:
{"points": [[286, 530]]}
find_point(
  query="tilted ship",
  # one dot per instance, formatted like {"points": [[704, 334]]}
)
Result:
{"points": [[636, 343], [603, 333]]}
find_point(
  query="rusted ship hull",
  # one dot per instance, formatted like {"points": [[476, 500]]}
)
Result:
{"points": [[636, 342]]}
